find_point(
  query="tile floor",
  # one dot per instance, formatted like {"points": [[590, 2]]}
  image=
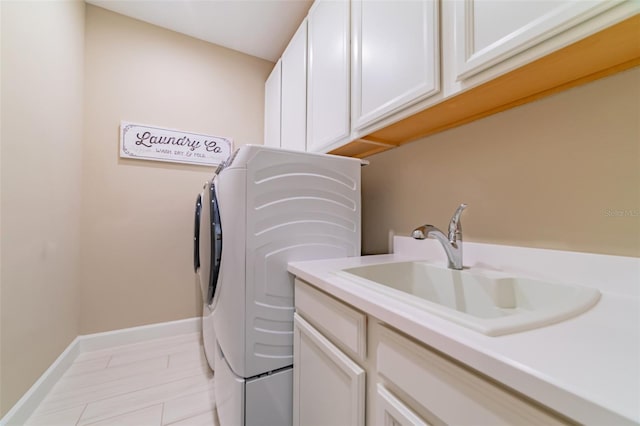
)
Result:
{"points": [[152, 383]]}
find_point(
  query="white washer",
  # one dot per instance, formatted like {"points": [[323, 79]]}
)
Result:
{"points": [[274, 206], [207, 249]]}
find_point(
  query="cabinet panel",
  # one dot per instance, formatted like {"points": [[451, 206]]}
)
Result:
{"points": [[338, 321], [490, 31], [272, 104], [395, 56], [294, 92], [442, 387], [328, 387], [328, 74], [390, 411]]}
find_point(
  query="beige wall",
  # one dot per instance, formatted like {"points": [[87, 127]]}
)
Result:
{"points": [[137, 216], [551, 174], [42, 67]]}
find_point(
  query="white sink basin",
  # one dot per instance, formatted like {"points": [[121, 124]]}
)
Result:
{"points": [[491, 302]]}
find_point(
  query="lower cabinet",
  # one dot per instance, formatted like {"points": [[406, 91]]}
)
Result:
{"points": [[442, 390], [328, 387], [407, 382]]}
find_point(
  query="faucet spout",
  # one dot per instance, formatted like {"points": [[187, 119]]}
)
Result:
{"points": [[455, 226], [452, 243]]}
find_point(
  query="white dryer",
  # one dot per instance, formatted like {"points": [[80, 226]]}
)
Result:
{"points": [[268, 207]]}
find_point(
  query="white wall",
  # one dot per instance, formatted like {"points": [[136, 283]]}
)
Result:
{"points": [[41, 136], [137, 216]]}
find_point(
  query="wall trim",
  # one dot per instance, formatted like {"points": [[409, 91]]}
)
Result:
{"points": [[125, 336], [25, 406], [20, 412]]}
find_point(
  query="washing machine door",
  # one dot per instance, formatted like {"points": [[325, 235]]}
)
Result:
{"points": [[215, 233], [207, 241], [202, 242], [196, 235]]}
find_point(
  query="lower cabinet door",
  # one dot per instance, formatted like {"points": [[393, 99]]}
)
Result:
{"points": [[328, 387], [390, 411]]}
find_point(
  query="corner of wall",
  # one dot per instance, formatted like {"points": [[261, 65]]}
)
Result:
{"points": [[42, 62]]}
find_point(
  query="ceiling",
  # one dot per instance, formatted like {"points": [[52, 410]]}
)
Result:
{"points": [[259, 28]]}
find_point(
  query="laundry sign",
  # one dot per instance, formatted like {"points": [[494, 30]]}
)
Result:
{"points": [[155, 143]]}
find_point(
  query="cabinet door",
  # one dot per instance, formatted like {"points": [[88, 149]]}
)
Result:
{"points": [[328, 75], [294, 92], [490, 31], [390, 411], [395, 56], [328, 387], [272, 96]]}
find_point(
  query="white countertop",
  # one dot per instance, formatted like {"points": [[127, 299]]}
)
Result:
{"points": [[587, 367]]}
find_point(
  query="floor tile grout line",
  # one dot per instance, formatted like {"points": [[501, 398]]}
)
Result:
{"points": [[116, 356], [169, 352], [113, 380], [132, 347], [182, 419], [164, 353], [121, 394], [138, 390], [69, 370], [120, 415], [81, 413], [189, 396], [193, 364], [80, 387], [83, 361]]}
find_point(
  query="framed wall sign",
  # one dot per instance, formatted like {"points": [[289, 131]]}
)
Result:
{"points": [[158, 144]]}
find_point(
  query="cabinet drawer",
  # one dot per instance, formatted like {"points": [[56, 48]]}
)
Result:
{"points": [[442, 387], [345, 326]]}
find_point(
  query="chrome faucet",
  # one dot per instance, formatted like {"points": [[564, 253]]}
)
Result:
{"points": [[453, 244]]}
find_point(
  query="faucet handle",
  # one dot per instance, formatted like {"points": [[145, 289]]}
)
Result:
{"points": [[455, 226]]}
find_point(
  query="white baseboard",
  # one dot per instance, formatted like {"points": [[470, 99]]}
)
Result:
{"points": [[23, 409], [125, 336]]}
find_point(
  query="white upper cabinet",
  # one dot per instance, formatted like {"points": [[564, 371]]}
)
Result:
{"points": [[294, 92], [272, 107], [490, 31], [328, 74], [362, 76], [395, 56]]}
